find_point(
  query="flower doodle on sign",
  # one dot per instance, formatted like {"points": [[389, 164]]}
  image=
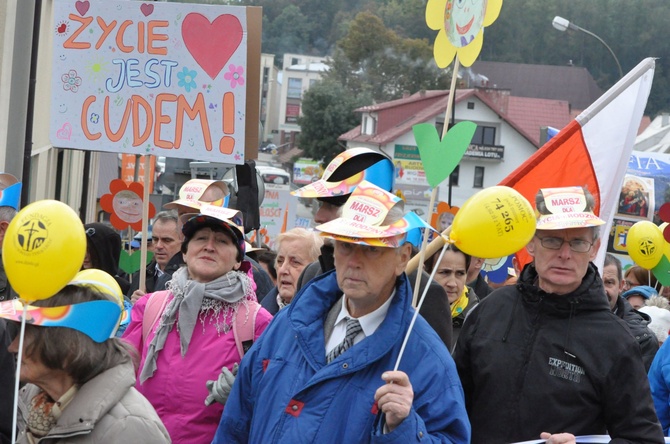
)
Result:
{"points": [[460, 24], [234, 75], [124, 204], [187, 79], [71, 81]]}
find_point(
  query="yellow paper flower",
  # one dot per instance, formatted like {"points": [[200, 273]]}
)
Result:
{"points": [[460, 24]]}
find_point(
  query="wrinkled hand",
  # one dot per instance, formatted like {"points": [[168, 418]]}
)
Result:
{"points": [[558, 438], [395, 398], [136, 296], [220, 389]]}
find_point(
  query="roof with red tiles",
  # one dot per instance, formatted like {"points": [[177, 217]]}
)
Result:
{"points": [[525, 115], [532, 114]]}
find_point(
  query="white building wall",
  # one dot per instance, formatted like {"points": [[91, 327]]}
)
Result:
{"points": [[308, 69], [517, 150], [269, 88]]}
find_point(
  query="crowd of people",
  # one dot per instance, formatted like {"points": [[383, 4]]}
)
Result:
{"points": [[308, 341]]}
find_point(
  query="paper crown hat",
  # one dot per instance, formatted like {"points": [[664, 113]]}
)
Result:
{"points": [[561, 208], [191, 194], [363, 216], [347, 170], [97, 319], [10, 191], [231, 221]]}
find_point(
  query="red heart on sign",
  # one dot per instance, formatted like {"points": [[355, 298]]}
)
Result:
{"points": [[82, 7], [147, 9], [211, 44]]}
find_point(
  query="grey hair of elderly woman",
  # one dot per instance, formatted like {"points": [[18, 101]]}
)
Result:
{"points": [[311, 241], [69, 350]]}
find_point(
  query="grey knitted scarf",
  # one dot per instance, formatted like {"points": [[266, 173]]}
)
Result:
{"points": [[190, 298]]}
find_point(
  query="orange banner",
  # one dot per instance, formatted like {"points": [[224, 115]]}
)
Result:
{"points": [[128, 169]]}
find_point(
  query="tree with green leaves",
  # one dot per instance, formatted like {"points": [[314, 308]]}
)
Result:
{"points": [[327, 113], [373, 59], [289, 32]]}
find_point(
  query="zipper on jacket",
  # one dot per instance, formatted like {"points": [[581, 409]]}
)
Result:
{"points": [[573, 307]]}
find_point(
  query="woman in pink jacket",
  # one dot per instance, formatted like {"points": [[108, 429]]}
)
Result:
{"points": [[194, 335]]}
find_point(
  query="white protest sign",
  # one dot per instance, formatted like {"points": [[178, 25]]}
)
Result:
{"points": [[277, 213], [167, 79]]}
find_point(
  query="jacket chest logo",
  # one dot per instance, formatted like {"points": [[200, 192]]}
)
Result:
{"points": [[565, 370]]}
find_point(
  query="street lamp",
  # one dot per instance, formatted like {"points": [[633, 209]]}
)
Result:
{"points": [[563, 25]]}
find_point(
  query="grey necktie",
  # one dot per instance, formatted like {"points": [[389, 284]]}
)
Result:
{"points": [[353, 329]]}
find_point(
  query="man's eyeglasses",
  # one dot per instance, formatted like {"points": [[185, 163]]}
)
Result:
{"points": [[555, 243]]}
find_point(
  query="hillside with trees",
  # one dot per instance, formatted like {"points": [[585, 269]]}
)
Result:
{"points": [[380, 49], [522, 34]]}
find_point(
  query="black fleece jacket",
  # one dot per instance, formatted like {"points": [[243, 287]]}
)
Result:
{"points": [[533, 362]]}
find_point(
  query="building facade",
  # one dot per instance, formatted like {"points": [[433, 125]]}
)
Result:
{"points": [[508, 132], [299, 73]]}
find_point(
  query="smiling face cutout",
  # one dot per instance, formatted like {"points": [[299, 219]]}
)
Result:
{"points": [[128, 206], [463, 20]]}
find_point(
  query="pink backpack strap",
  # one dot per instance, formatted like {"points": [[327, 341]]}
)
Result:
{"points": [[244, 328], [153, 311]]}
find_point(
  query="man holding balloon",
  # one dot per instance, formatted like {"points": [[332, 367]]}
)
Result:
{"points": [[546, 358]]}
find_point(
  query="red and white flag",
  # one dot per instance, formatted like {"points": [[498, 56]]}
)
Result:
{"points": [[593, 150]]}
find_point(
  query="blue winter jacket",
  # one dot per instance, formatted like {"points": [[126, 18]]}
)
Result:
{"points": [[659, 382], [285, 391]]}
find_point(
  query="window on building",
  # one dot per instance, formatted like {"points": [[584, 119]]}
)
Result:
{"points": [[294, 88], [295, 61], [479, 177], [484, 135], [369, 125], [471, 105], [453, 177]]}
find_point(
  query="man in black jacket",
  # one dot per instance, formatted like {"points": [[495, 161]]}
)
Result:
{"points": [[166, 240], [546, 358], [348, 169], [637, 321]]}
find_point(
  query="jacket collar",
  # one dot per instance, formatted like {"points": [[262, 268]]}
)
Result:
{"points": [[308, 310], [93, 400], [589, 296]]}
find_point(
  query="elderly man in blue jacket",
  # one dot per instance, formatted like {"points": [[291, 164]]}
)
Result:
{"points": [[323, 370]]}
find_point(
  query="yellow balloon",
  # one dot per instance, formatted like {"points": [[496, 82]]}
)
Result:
{"points": [[645, 244], [103, 282], [43, 248], [495, 222]]}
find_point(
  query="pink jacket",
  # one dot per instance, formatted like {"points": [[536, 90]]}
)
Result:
{"points": [[177, 389]]}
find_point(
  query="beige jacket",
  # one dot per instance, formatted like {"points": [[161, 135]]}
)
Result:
{"points": [[107, 409]]}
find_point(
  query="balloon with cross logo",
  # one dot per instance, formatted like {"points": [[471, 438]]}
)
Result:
{"points": [[645, 244], [43, 248]]}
